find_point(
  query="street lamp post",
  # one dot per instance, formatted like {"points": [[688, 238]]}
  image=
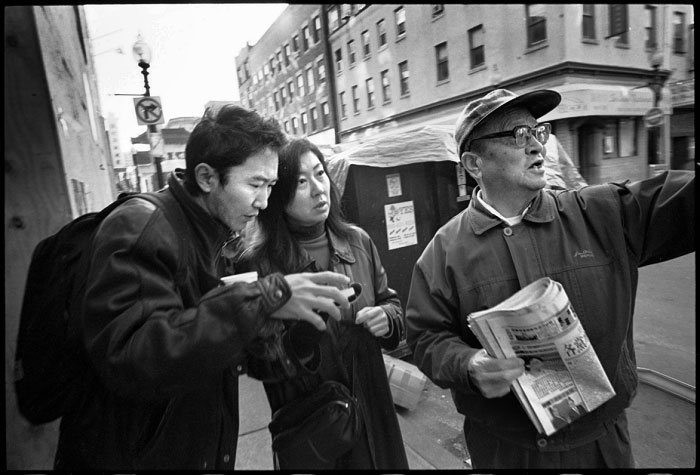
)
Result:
{"points": [[142, 55], [656, 84]]}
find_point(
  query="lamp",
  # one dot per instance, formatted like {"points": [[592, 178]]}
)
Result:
{"points": [[142, 55]]}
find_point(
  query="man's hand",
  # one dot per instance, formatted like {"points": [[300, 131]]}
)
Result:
{"points": [[493, 376], [374, 319], [314, 293]]}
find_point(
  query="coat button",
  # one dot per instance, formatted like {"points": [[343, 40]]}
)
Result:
{"points": [[542, 442], [239, 368], [226, 458], [508, 231]]}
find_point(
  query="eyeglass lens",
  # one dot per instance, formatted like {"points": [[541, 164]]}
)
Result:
{"points": [[523, 134]]}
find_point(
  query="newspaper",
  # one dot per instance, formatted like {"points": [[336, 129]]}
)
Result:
{"points": [[563, 379]]}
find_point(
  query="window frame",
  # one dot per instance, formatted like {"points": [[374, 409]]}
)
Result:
{"points": [[442, 63], [479, 49], [534, 24], [386, 86], [369, 88], [404, 75], [400, 26]]}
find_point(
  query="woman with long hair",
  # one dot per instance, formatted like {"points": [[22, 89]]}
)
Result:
{"points": [[302, 230]]}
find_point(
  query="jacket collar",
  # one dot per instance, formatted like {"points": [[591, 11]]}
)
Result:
{"points": [[207, 229], [542, 210], [340, 250]]}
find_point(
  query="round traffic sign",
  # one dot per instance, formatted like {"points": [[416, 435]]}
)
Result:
{"points": [[654, 117], [148, 110]]}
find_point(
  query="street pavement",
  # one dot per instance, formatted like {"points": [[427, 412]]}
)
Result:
{"points": [[662, 425]]}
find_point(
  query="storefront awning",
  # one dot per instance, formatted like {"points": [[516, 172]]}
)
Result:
{"points": [[581, 100]]}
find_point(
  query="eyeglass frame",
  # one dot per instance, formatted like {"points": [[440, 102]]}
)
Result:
{"points": [[512, 133]]}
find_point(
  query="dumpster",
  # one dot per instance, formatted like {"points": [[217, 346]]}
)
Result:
{"points": [[402, 188]]}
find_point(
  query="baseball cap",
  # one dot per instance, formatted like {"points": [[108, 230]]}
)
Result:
{"points": [[537, 102]]}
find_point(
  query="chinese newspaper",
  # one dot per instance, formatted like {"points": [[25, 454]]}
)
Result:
{"points": [[564, 378]]}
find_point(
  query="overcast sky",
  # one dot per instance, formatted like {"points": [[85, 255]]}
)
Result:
{"points": [[194, 48]]}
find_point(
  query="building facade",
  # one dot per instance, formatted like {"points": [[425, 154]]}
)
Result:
{"points": [[284, 75], [57, 166], [391, 68]]}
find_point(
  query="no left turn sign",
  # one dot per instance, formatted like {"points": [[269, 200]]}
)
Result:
{"points": [[148, 110]]}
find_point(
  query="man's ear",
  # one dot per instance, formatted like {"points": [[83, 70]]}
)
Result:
{"points": [[472, 164], [206, 177]]}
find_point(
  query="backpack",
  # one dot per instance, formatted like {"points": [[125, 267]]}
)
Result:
{"points": [[51, 363]]}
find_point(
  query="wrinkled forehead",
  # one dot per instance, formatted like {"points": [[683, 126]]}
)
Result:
{"points": [[505, 119]]}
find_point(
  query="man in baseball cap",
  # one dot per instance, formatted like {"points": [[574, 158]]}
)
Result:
{"points": [[515, 231], [538, 103]]}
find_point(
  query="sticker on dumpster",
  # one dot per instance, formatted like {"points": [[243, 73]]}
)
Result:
{"points": [[400, 225], [393, 185]]}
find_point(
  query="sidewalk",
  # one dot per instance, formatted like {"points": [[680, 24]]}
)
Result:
{"points": [[254, 451]]}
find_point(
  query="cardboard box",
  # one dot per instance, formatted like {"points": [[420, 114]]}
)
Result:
{"points": [[405, 380]]}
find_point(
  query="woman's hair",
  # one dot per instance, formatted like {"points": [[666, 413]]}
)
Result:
{"points": [[227, 139], [273, 248]]}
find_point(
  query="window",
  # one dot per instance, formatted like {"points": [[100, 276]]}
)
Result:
{"points": [[295, 125], [325, 114], [333, 18], [443, 69], [283, 95], [365, 44], [295, 43], [290, 88], [313, 115], [305, 38], [588, 21], [317, 29], [279, 61], [355, 100], [310, 83], [618, 22], [304, 122], [650, 27], [476, 46], [620, 137], [276, 98], [370, 93], [678, 32], [438, 10], [338, 60], [351, 52], [343, 106], [403, 78], [400, 17], [536, 24], [287, 54], [286, 126], [386, 93], [321, 69], [381, 33], [301, 92]]}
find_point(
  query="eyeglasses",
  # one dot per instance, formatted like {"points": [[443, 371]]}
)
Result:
{"points": [[522, 134]]}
